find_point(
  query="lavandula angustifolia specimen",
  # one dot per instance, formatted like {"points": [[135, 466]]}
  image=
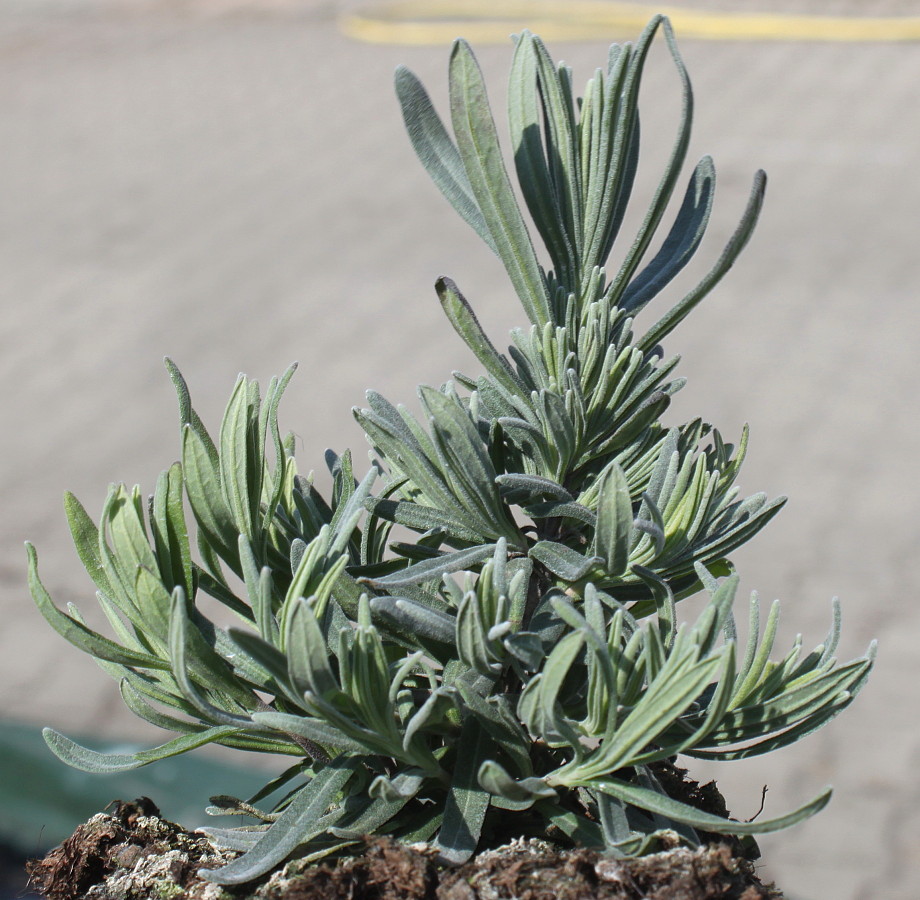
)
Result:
{"points": [[519, 668]]}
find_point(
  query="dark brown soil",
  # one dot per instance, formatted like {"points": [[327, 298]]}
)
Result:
{"points": [[132, 854]]}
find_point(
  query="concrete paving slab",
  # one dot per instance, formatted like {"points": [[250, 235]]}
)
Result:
{"points": [[235, 190]]}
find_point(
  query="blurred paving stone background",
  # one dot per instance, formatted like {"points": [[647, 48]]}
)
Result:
{"points": [[228, 183]]}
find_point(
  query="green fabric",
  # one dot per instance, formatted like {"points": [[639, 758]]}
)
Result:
{"points": [[42, 800]]}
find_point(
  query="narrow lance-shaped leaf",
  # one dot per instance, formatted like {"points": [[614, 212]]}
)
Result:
{"points": [[347, 514], [97, 763], [178, 649], [86, 540], [562, 561], [437, 152], [235, 464], [562, 146], [736, 244], [80, 635], [417, 618], [170, 531], [187, 414], [650, 800], [672, 169], [614, 521], [296, 825], [680, 244], [523, 794], [457, 523], [203, 486], [465, 323], [467, 802], [431, 569], [477, 141], [524, 118], [312, 729], [123, 522]]}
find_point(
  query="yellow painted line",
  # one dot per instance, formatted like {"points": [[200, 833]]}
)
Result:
{"points": [[491, 21]]}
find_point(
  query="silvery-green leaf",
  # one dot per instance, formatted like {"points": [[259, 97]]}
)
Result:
{"points": [[466, 463], [614, 521], [758, 651], [398, 446], [653, 525], [524, 793], [269, 660], [579, 829], [526, 647], [471, 640], [787, 737], [86, 540], [613, 142], [416, 617], [667, 697], [567, 564], [79, 634], [431, 569], [343, 476], [525, 117], [261, 590], [736, 244], [793, 704], [369, 817], [678, 153], [539, 704], [665, 605], [431, 712], [465, 323], [307, 656], [178, 653], [94, 762], [524, 488], [347, 514], [711, 621], [614, 819], [310, 728], [155, 602], [273, 486], [235, 838], [203, 486], [558, 107], [466, 804], [403, 786], [558, 429], [681, 242], [497, 718], [425, 518], [477, 142], [170, 532], [135, 701], [236, 466], [833, 636], [187, 415], [553, 510], [296, 825], [651, 800], [437, 152], [124, 522]]}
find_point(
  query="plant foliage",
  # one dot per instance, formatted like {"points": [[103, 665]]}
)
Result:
{"points": [[520, 667]]}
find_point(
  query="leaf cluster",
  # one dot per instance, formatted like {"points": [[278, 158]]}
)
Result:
{"points": [[519, 666]]}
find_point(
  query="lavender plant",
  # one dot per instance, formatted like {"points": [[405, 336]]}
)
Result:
{"points": [[519, 668]]}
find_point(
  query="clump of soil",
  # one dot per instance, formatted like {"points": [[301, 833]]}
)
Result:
{"points": [[130, 854], [133, 854]]}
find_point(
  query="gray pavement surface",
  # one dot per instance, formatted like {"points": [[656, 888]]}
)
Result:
{"points": [[229, 184]]}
